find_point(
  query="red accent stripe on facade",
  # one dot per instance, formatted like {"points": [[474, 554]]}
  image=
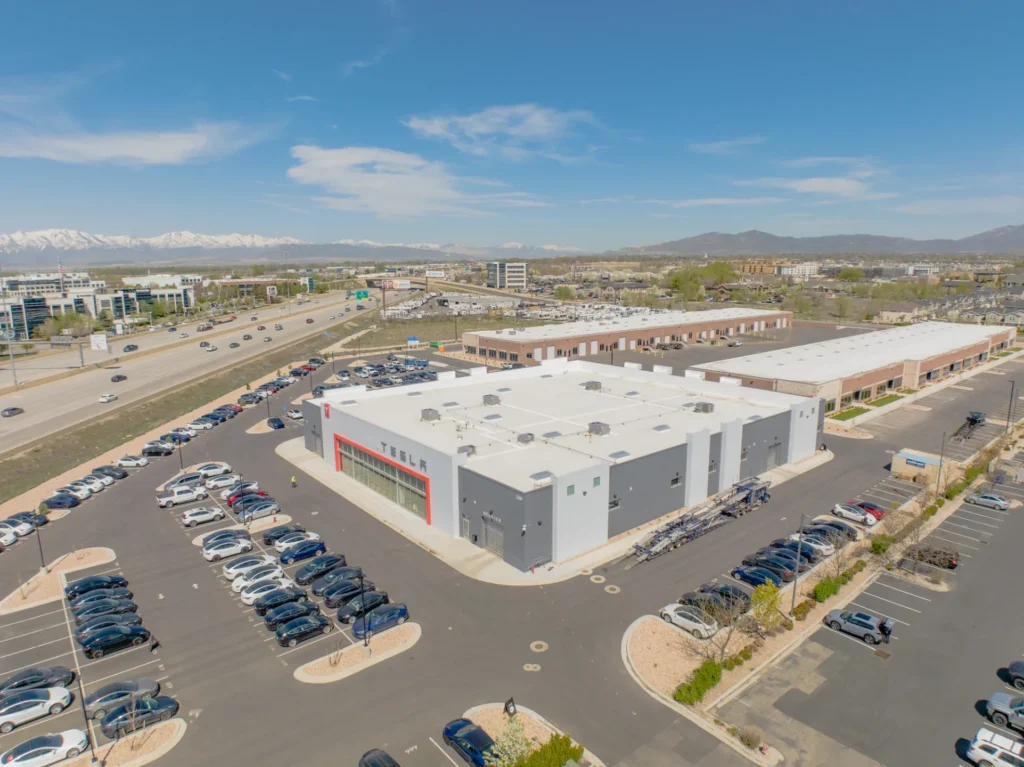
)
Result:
{"points": [[338, 440]]}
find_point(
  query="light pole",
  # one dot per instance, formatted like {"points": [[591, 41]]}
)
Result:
{"points": [[796, 568], [366, 619], [942, 455], [1009, 409], [181, 454], [42, 559], [88, 724]]}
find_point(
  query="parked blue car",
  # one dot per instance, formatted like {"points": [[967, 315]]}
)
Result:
{"points": [[62, 501], [755, 576], [177, 439], [275, 423], [304, 550], [215, 416], [469, 740], [380, 619]]}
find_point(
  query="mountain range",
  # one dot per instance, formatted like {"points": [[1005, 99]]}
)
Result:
{"points": [[1006, 239]]}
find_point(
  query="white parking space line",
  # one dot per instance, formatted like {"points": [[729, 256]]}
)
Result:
{"points": [[962, 510], [974, 521], [894, 620], [869, 594], [306, 644], [965, 527], [121, 673], [909, 594], [30, 633], [956, 543], [959, 535], [850, 638], [30, 649], [34, 618], [446, 754], [104, 572]]}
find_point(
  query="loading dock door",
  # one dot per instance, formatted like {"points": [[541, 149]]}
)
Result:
{"points": [[551, 352], [772, 459], [494, 537], [593, 347], [582, 349]]}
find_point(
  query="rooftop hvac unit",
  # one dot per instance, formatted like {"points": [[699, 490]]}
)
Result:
{"points": [[704, 407], [592, 386], [492, 399], [429, 414], [467, 450], [599, 429], [525, 438]]}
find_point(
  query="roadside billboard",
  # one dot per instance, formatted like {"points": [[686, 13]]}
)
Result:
{"points": [[439, 275], [396, 284], [98, 342]]}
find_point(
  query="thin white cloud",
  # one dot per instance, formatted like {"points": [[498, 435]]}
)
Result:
{"points": [[1006, 205], [816, 162], [390, 184], [728, 146], [167, 147], [607, 200], [283, 75], [302, 98], [515, 132], [352, 67], [701, 202], [837, 187]]}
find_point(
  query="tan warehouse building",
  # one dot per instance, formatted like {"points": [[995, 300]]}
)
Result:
{"points": [[862, 367], [581, 339]]}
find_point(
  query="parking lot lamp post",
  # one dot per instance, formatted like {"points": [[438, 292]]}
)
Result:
{"points": [[181, 455], [366, 620], [269, 395], [942, 455], [39, 540], [796, 574], [1009, 409], [88, 724]]}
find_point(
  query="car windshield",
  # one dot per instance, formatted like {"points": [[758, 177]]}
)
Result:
{"points": [[477, 738]]}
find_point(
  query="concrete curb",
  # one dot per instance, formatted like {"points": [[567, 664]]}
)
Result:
{"points": [[29, 603], [179, 725], [587, 754], [302, 675]]}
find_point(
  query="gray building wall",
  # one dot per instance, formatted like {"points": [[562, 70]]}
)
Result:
{"points": [[758, 437], [481, 496], [715, 455], [313, 428], [644, 489]]}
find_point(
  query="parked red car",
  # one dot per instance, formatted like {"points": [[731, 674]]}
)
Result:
{"points": [[876, 511], [310, 368], [232, 498], [236, 408]]}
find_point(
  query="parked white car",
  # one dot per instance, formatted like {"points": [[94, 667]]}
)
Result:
{"points": [[247, 485], [224, 480], [184, 431], [690, 619], [200, 425], [241, 566], [214, 469], [256, 590], [163, 445], [19, 528], [44, 750], [108, 397], [825, 549], [295, 414], [25, 706], [202, 515], [266, 572], [132, 461], [103, 479], [81, 492], [287, 541], [8, 538], [228, 548], [854, 514], [180, 494], [92, 483]]}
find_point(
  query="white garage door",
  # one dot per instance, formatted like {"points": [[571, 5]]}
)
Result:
{"points": [[494, 537]]}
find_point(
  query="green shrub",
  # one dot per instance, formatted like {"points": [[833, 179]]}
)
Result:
{"points": [[931, 511], [825, 588], [787, 624], [952, 491], [750, 736], [707, 675], [881, 543], [940, 502], [860, 564], [728, 664], [555, 753], [844, 579], [43, 509], [801, 610], [746, 653]]}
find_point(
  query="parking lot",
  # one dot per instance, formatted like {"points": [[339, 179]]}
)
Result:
{"points": [[919, 699], [43, 636]]}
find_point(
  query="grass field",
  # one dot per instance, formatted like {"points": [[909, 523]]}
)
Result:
{"points": [[38, 462], [395, 332], [884, 400], [846, 415]]}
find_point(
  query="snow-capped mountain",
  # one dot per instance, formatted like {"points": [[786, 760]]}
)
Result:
{"points": [[70, 239]]}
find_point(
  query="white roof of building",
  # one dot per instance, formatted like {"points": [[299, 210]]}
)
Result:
{"points": [[849, 356], [646, 412], [652, 320]]}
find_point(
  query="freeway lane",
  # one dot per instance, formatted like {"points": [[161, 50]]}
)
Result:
{"points": [[57, 405]]}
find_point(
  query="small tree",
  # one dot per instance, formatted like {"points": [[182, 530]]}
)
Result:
{"points": [[765, 606], [564, 293], [43, 509], [843, 305], [510, 746]]}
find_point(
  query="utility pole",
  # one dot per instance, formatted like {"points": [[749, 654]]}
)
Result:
{"points": [[942, 455], [1009, 409], [796, 568]]}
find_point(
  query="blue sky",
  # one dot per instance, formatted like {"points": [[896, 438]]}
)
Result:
{"points": [[595, 124]]}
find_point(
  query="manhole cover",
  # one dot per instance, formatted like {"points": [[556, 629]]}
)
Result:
{"points": [[588, 571], [539, 646], [531, 667], [612, 589], [597, 579]]}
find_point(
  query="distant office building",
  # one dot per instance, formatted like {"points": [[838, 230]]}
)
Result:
{"points": [[162, 280], [798, 269], [19, 285], [506, 275]]}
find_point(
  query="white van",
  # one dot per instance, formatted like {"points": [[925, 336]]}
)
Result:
{"points": [[991, 748]]}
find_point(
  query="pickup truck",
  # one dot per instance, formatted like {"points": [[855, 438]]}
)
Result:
{"points": [[1005, 710], [180, 494]]}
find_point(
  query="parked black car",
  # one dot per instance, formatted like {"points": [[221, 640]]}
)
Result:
{"points": [[736, 598], [276, 598], [301, 629], [89, 628], [342, 591], [289, 611], [93, 582], [156, 450], [375, 757], [356, 607], [104, 607], [108, 640], [225, 534], [325, 581], [114, 472], [828, 534], [317, 567], [34, 678], [115, 592], [38, 520], [781, 567], [802, 564], [138, 714], [271, 536], [805, 551]]}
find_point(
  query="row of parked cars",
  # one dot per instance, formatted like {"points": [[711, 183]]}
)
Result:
{"points": [[18, 526], [100, 478]]}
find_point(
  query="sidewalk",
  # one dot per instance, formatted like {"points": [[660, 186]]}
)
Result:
{"points": [[474, 561]]}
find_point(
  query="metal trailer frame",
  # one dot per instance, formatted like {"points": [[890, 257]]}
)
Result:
{"points": [[746, 495]]}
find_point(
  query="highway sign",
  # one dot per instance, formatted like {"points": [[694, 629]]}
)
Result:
{"points": [[9, 334], [361, 294]]}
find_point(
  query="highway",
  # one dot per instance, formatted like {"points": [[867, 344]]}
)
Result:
{"points": [[56, 405]]}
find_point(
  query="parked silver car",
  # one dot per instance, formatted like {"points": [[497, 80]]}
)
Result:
{"points": [[110, 696], [989, 500], [25, 706], [870, 628]]}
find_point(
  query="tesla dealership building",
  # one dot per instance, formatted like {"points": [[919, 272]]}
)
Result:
{"points": [[543, 463]]}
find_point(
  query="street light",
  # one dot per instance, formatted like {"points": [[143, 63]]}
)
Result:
{"points": [[39, 540], [181, 453], [366, 620], [88, 723], [796, 567]]}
